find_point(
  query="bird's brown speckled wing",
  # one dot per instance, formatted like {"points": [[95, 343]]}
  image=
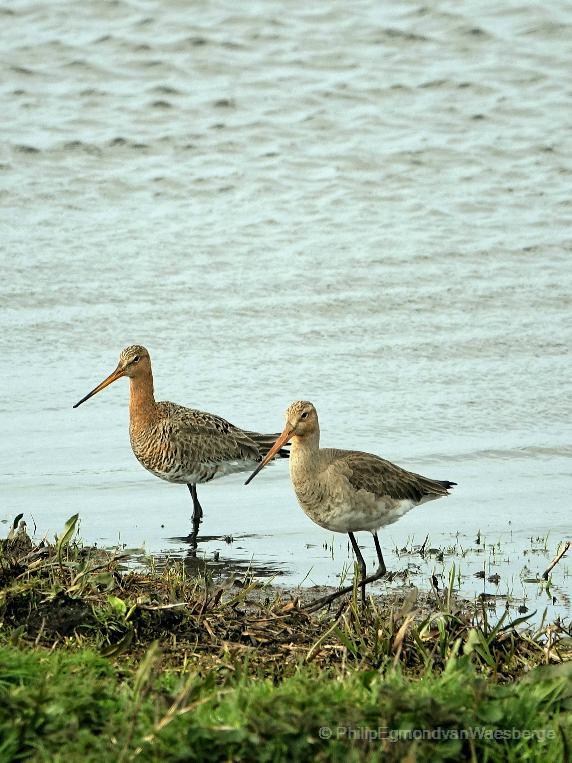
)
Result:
{"points": [[366, 471], [214, 439]]}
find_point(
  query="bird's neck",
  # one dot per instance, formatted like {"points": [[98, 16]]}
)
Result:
{"points": [[142, 405], [304, 453]]}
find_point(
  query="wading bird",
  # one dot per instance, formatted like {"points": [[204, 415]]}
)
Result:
{"points": [[347, 491], [181, 444]]}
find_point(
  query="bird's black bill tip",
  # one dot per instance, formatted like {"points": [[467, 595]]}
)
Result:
{"points": [[254, 473], [105, 383], [282, 440]]}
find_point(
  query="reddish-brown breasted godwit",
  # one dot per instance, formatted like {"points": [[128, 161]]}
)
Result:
{"points": [[345, 490], [180, 444]]}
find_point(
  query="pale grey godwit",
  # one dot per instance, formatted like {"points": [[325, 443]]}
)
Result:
{"points": [[345, 490], [180, 444]]}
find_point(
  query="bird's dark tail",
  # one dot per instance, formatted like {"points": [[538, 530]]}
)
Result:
{"points": [[266, 441], [435, 487]]}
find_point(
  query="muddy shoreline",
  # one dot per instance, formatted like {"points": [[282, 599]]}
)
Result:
{"points": [[62, 593]]}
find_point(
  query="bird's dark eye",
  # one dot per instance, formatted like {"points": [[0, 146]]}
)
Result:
{"points": [[136, 359], [304, 415]]}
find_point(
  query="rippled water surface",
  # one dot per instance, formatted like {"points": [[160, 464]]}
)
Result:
{"points": [[366, 205]]}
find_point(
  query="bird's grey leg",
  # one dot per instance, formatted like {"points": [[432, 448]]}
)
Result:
{"points": [[197, 516], [317, 604], [381, 569], [361, 562]]}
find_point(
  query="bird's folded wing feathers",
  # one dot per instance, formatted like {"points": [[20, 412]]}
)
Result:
{"points": [[217, 439], [366, 471]]}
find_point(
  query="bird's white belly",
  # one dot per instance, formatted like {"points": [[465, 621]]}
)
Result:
{"points": [[204, 472], [342, 510], [351, 518]]}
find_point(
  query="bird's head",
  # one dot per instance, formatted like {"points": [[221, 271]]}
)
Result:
{"points": [[134, 361], [301, 421]]}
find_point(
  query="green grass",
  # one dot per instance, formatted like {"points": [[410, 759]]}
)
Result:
{"points": [[63, 706]]}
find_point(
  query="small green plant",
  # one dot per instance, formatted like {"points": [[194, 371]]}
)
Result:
{"points": [[62, 542]]}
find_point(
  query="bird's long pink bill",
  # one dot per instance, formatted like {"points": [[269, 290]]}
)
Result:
{"points": [[282, 440], [117, 374]]}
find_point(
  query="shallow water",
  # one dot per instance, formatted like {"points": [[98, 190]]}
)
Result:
{"points": [[367, 207]]}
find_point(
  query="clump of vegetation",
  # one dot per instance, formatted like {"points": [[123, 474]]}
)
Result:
{"points": [[105, 663]]}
